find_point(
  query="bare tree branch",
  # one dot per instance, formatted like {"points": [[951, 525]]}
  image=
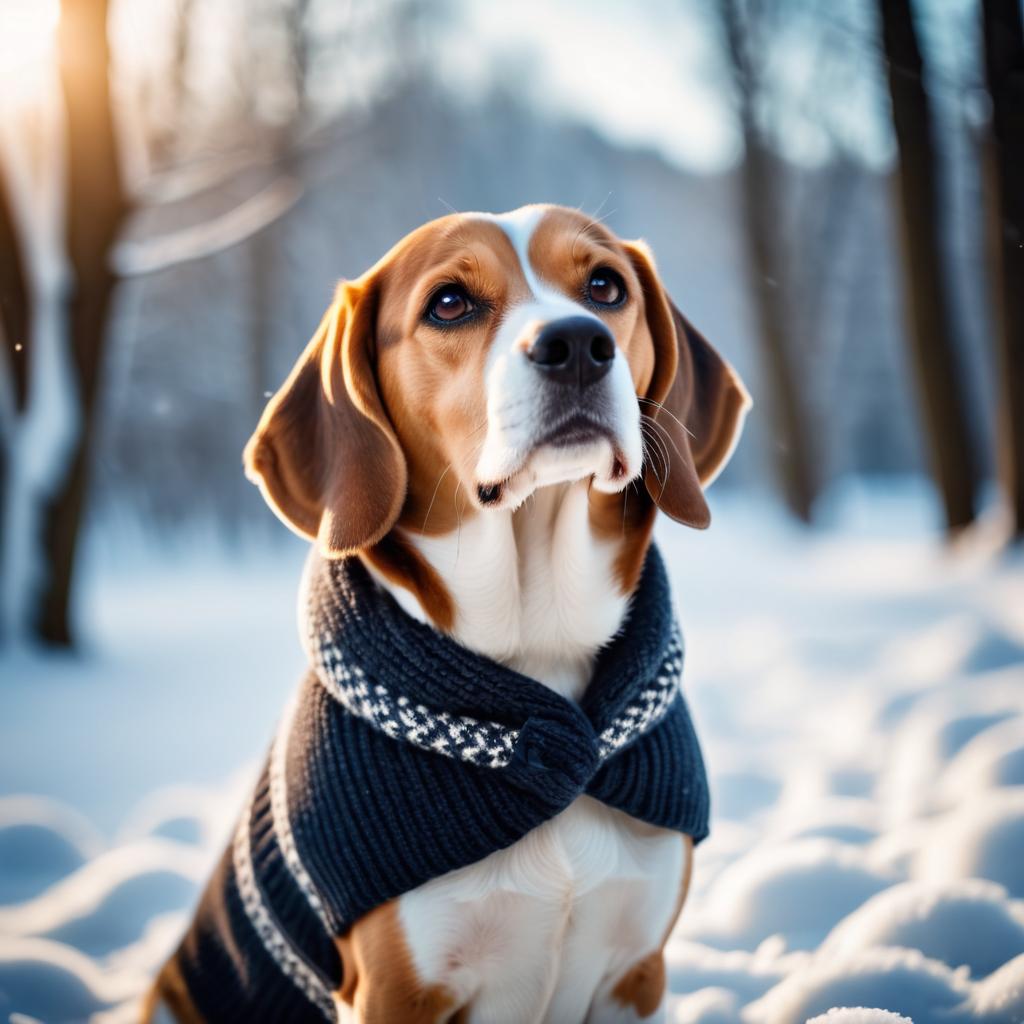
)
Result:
{"points": [[134, 258]]}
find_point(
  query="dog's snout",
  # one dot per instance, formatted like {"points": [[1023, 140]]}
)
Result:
{"points": [[576, 350]]}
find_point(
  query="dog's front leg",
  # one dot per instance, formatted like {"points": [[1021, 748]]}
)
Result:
{"points": [[638, 994]]}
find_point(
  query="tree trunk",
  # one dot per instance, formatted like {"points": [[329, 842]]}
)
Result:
{"points": [[15, 329], [795, 462], [931, 331], [95, 209], [1004, 68], [15, 299], [791, 434]]}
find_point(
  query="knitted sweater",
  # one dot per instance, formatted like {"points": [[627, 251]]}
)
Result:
{"points": [[406, 756]]}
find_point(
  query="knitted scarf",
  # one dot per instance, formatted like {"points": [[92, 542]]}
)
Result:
{"points": [[406, 756]]}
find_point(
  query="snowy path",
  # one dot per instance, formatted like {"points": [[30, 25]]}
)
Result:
{"points": [[859, 694]]}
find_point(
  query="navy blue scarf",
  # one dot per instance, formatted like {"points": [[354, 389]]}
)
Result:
{"points": [[407, 756]]}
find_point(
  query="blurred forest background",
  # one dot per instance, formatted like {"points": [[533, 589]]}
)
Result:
{"points": [[834, 192]]}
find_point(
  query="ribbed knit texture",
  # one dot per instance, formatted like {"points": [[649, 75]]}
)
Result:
{"points": [[409, 756]]}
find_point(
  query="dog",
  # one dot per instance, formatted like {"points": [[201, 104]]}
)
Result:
{"points": [[484, 426]]}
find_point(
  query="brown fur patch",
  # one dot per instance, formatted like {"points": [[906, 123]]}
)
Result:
{"points": [[402, 564], [171, 990], [643, 985], [627, 519], [380, 981]]}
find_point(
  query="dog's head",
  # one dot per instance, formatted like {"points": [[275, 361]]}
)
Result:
{"points": [[485, 357]]}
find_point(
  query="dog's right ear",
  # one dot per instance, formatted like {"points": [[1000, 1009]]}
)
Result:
{"points": [[697, 403], [324, 455]]}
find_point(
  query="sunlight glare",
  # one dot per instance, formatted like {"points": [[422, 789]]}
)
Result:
{"points": [[27, 32]]}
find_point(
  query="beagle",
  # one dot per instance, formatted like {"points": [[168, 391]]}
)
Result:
{"points": [[488, 420]]}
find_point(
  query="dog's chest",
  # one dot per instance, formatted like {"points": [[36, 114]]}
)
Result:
{"points": [[535, 590], [576, 901]]}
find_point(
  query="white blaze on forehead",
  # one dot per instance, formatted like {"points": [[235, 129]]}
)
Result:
{"points": [[519, 226]]}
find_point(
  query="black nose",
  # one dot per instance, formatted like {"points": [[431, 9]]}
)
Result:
{"points": [[577, 350]]}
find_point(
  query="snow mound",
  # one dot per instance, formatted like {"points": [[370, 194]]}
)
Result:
{"points": [[984, 838], [1000, 997], [902, 981], [150, 872], [960, 923], [996, 758], [859, 1015], [41, 841], [200, 816], [799, 890], [692, 967], [54, 983], [708, 1006]]}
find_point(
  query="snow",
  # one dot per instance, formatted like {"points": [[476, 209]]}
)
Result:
{"points": [[859, 1015], [859, 691]]}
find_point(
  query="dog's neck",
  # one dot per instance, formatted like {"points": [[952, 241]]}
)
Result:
{"points": [[534, 589]]}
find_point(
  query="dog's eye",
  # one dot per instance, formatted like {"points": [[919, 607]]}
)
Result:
{"points": [[606, 288], [449, 303]]}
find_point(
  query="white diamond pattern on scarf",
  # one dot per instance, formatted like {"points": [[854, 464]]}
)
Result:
{"points": [[483, 743]]}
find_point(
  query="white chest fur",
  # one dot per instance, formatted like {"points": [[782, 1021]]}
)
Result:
{"points": [[543, 929]]}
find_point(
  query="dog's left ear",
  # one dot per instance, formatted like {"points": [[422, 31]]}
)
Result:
{"points": [[325, 455], [695, 398]]}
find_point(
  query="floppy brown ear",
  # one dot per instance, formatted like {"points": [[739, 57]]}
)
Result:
{"points": [[696, 400], [324, 455]]}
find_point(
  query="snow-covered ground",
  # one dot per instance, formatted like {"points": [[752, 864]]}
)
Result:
{"points": [[859, 692]]}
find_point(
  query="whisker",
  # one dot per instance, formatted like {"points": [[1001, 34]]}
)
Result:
{"points": [[652, 435], [601, 220], [444, 473], [645, 452], [660, 450], [447, 469], [664, 433], [483, 423], [576, 238], [662, 481], [458, 515], [663, 451], [651, 401], [597, 212]]}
